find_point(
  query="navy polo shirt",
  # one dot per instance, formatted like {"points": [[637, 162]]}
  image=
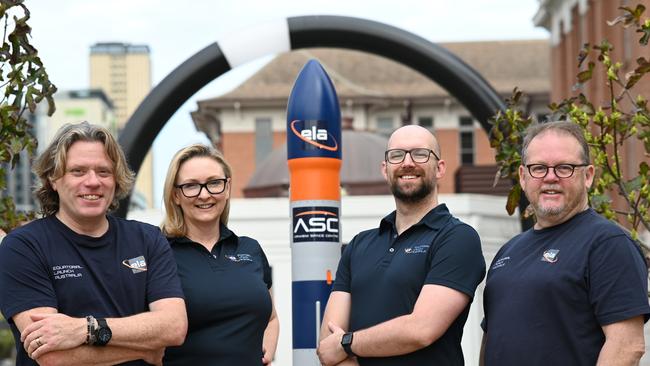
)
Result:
{"points": [[384, 273], [549, 292], [227, 298]]}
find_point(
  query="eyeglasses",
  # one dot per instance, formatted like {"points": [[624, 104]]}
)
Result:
{"points": [[191, 190], [561, 170], [419, 155]]}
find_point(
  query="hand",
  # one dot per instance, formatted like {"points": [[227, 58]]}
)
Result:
{"points": [[53, 332], [267, 356], [154, 357], [330, 352]]}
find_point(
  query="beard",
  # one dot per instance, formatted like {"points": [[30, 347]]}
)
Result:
{"points": [[542, 211], [414, 196], [546, 210]]}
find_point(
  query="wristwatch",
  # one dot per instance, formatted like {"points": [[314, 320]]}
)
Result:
{"points": [[103, 333], [346, 343]]}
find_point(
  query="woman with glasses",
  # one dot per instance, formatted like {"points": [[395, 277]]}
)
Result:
{"points": [[226, 278]]}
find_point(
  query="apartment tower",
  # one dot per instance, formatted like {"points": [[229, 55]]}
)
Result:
{"points": [[123, 71]]}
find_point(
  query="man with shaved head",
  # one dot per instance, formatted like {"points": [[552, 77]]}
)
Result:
{"points": [[403, 290]]}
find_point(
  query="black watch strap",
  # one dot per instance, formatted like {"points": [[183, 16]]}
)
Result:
{"points": [[103, 333], [346, 343]]}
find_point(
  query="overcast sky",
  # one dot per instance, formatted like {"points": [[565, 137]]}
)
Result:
{"points": [[63, 32]]}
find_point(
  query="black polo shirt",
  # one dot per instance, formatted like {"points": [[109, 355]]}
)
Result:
{"points": [[384, 274], [228, 301]]}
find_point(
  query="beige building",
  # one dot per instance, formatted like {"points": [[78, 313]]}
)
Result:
{"points": [[377, 95], [123, 71]]}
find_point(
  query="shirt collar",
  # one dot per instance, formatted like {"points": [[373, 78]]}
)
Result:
{"points": [[434, 219], [226, 236]]}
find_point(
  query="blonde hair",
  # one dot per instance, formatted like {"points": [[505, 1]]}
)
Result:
{"points": [[174, 224], [51, 164]]}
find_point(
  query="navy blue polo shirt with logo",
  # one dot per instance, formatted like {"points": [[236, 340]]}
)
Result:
{"points": [[384, 273], [549, 292], [228, 301], [46, 264]]}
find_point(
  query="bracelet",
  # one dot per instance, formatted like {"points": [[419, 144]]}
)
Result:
{"points": [[90, 336]]}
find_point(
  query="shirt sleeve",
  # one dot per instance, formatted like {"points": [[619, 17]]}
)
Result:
{"points": [[342, 281], [457, 260], [266, 269], [163, 281], [618, 287], [25, 281]]}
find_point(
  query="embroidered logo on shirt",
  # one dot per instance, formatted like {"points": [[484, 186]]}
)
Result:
{"points": [[240, 258], [500, 262], [550, 255], [66, 271], [417, 249], [137, 264]]}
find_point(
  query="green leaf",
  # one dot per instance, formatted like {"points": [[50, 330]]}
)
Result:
{"points": [[586, 74], [513, 199], [643, 168]]}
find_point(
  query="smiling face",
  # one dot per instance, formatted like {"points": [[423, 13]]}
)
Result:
{"points": [[555, 200], [206, 208], [411, 182], [87, 187]]}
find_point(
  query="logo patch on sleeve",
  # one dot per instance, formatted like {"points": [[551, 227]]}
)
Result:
{"points": [[137, 264]]}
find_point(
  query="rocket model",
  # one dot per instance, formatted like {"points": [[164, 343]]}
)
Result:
{"points": [[314, 158]]}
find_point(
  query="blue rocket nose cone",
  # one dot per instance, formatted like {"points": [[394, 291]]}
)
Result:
{"points": [[313, 115], [313, 95]]}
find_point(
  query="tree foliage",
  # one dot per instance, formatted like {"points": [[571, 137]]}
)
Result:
{"points": [[622, 119], [24, 84]]}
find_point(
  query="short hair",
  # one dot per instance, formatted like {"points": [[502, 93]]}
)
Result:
{"points": [[564, 127], [51, 163], [174, 224]]}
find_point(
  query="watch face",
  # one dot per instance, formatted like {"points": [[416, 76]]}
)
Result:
{"points": [[347, 338], [104, 335]]}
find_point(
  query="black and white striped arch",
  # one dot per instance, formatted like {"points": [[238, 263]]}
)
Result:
{"points": [[433, 61]]}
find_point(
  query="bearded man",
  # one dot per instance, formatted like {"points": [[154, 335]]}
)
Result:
{"points": [[572, 290], [403, 290]]}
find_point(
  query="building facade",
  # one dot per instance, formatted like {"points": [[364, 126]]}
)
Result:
{"points": [[573, 23], [123, 71], [377, 95]]}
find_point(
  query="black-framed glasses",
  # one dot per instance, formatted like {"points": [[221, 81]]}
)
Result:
{"points": [[540, 171], [419, 155], [214, 186]]}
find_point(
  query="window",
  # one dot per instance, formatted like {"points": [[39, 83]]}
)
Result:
{"points": [[385, 125], [263, 139], [426, 122], [466, 135]]}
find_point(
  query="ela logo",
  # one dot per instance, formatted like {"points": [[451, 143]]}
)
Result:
{"points": [[314, 134], [137, 264], [550, 255]]}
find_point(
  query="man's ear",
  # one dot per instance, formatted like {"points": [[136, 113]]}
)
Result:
{"points": [[384, 168], [442, 168]]}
